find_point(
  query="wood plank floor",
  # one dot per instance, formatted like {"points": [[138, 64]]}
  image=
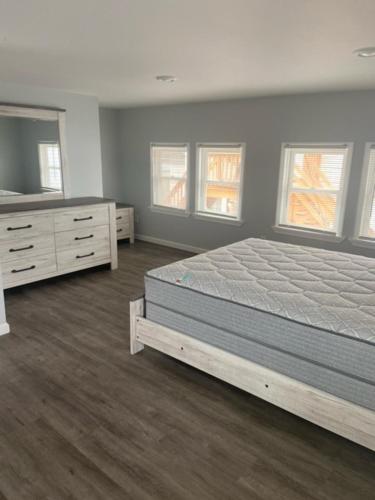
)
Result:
{"points": [[82, 419]]}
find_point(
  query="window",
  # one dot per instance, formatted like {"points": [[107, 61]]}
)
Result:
{"points": [[219, 180], [169, 173], [50, 166], [312, 191], [367, 200]]}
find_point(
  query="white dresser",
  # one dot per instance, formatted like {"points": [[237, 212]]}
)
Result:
{"points": [[39, 240], [125, 222]]}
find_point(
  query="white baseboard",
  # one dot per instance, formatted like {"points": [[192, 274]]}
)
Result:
{"points": [[4, 329], [171, 244]]}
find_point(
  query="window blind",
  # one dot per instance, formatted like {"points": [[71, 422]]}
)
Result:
{"points": [[312, 191], [219, 180], [50, 166], [169, 176]]}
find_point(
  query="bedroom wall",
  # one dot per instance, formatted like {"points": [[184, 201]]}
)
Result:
{"points": [[263, 124], [111, 153], [82, 132]]}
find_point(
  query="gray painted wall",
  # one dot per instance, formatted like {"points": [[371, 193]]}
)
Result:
{"points": [[111, 153], [263, 124], [82, 132]]}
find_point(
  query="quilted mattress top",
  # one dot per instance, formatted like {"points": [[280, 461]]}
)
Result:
{"points": [[328, 290]]}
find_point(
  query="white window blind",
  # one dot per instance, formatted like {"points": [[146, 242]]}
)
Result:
{"points": [[50, 166], [219, 180], [367, 229], [169, 172], [313, 185]]}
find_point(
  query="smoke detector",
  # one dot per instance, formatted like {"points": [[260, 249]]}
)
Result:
{"points": [[166, 78]]}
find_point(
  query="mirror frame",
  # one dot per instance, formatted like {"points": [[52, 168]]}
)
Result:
{"points": [[47, 114]]}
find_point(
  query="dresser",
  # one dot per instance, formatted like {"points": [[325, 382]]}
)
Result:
{"points": [[125, 222], [39, 240]]}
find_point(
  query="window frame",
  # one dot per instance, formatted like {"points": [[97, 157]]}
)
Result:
{"points": [[183, 212], [284, 188], [216, 217], [42, 170], [364, 200]]}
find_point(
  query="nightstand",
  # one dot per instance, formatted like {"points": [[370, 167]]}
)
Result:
{"points": [[125, 221]]}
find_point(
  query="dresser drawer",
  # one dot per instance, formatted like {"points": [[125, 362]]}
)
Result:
{"points": [[69, 240], [123, 215], [78, 218], [25, 226], [123, 230], [28, 268], [26, 247], [83, 256]]}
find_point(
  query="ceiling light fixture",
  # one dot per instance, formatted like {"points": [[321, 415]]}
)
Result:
{"points": [[166, 78], [365, 52]]}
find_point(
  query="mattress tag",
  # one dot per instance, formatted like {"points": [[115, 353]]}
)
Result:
{"points": [[185, 279]]}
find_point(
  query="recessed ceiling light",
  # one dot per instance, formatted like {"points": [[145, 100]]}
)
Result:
{"points": [[166, 78], [365, 52]]}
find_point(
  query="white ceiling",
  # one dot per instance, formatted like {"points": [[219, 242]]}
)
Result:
{"points": [[216, 48]]}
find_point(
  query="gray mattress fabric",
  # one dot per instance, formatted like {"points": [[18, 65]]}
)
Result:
{"points": [[212, 297]]}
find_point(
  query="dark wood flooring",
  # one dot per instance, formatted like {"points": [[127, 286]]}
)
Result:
{"points": [[82, 419]]}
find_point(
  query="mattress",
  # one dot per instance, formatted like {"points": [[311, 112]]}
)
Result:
{"points": [[307, 313]]}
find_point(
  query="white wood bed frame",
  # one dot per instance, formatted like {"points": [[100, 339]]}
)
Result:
{"points": [[337, 415]]}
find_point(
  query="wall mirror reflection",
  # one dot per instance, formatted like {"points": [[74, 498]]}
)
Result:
{"points": [[31, 154]]}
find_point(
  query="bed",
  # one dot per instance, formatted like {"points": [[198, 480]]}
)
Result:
{"points": [[293, 325]]}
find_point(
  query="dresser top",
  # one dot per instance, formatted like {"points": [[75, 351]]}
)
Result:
{"points": [[7, 208], [123, 205]]}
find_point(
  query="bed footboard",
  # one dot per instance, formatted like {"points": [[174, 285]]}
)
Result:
{"points": [[330, 412], [137, 308]]}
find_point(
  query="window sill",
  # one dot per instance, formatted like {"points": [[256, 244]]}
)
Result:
{"points": [[169, 211], [363, 242], [217, 218], [305, 233]]}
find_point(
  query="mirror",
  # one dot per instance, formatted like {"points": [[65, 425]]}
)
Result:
{"points": [[31, 157]]}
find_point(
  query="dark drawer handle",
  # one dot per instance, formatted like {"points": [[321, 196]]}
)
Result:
{"points": [[22, 270], [119, 217], [20, 227], [83, 256], [21, 249], [77, 238], [119, 230], [77, 219]]}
